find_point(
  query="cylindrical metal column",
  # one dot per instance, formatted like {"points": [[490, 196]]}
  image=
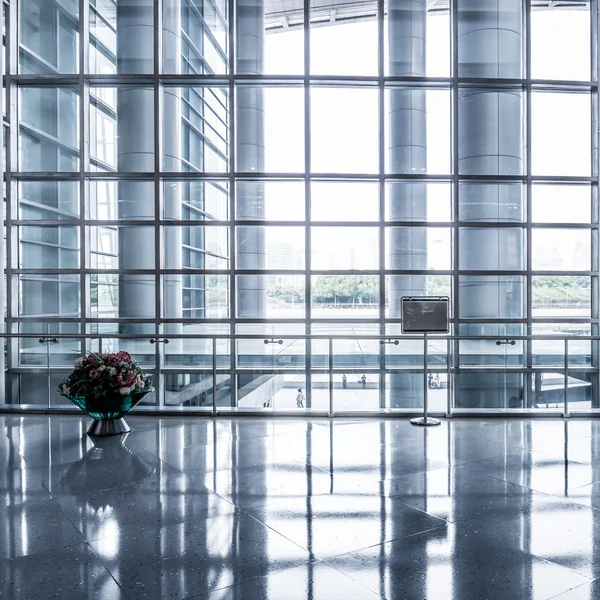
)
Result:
{"points": [[135, 153], [490, 142], [250, 154], [407, 248]]}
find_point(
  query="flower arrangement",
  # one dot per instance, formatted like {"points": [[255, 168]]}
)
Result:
{"points": [[97, 375]]}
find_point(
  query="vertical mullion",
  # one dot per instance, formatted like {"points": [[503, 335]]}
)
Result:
{"points": [[307, 205], [455, 185], [594, 76], [382, 232], [3, 294], [84, 152], [158, 164], [231, 29], [12, 291], [528, 196]]}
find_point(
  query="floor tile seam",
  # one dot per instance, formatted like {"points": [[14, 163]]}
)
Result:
{"points": [[314, 557], [556, 564], [256, 578], [544, 493], [382, 543], [269, 466], [176, 523], [108, 571], [509, 545], [562, 594]]}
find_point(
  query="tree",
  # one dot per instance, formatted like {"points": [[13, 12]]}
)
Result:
{"points": [[346, 289]]}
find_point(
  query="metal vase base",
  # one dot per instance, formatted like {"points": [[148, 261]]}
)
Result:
{"points": [[108, 427], [426, 422]]}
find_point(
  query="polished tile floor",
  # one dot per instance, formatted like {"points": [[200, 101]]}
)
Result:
{"points": [[296, 509]]}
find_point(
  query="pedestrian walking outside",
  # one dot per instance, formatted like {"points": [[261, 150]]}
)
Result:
{"points": [[363, 381], [300, 399], [344, 381]]}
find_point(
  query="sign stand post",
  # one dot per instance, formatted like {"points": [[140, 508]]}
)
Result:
{"points": [[425, 421]]}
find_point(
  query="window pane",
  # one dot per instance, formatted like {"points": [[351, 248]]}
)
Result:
{"points": [[48, 36], [490, 131], [49, 295], [397, 286], [491, 297], [270, 129], [345, 248], [278, 248], [344, 201], [202, 49], [121, 247], [134, 27], [195, 129], [272, 296], [561, 296], [561, 146], [561, 203], [49, 129], [201, 247], [491, 249], [48, 200], [284, 44], [112, 200], [560, 42], [561, 249], [418, 248], [418, 201], [341, 142], [270, 200], [122, 128], [490, 39], [491, 202], [196, 296], [49, 247], [345, 296], [334, 50], [416, 40], [417, 131]]}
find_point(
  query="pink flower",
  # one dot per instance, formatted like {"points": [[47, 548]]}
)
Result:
{"points": [[94, 374], [124, 391]]}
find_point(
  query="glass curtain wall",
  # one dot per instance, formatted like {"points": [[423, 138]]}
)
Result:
{"points": [[235, 167]]}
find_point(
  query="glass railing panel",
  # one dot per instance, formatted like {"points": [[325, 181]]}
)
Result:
{"points": [[190, 389], [255, 390], [404, 388], [500, 350], [582, 389], [188, 352], [547, 389], [319, 391], [361, 392], [291, 392], [477, 389], [62, 355]]}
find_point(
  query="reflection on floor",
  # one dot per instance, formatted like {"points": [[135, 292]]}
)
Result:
{"points": [[295, 509]]}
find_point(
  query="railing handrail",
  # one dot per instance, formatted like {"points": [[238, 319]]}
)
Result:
{"points": [[263, 336]]}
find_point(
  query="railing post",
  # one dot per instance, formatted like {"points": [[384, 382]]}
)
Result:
{"points": [[448, 380], [331, 377], [214, 375], [566, 376]]}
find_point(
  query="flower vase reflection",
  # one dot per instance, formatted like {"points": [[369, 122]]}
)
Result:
{"points": [[108, 464]]}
